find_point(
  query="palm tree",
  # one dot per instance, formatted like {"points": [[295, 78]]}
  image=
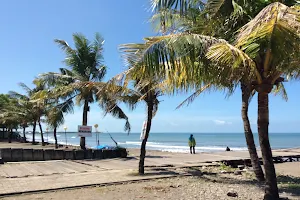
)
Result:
{"points": [[55, 118], [31, 111], [9, 115], [40, 106], [83, 80], [217, 18], [191, 16], [150, 98], [145, 90], [262, 54]]}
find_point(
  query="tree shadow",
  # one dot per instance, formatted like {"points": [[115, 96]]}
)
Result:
{"points": [[289, 184], [157, 156], [163, 172], [216, 178]]}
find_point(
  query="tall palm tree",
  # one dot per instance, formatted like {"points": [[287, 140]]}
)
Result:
{"points": [[191, 16], [145, 90], [31, 111], [83, 80], [221, 19], [151, 99], [265, 50]]}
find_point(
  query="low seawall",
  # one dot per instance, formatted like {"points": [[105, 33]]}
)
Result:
{"points": [[19, 154]]}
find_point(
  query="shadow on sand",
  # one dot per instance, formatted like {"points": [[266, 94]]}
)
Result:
{"points": [[289, 184]]}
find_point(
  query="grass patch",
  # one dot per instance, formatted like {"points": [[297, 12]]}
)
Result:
{"points": [[249, 175], [226, 168], [292, 186]]}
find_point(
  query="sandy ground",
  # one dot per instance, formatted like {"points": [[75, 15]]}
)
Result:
{"points": [[208, 183]]}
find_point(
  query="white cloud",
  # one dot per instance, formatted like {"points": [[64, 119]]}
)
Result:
{"points": [[221, 122], [173, 124]]}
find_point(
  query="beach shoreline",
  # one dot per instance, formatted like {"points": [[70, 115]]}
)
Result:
{"points": [[28, 144]]}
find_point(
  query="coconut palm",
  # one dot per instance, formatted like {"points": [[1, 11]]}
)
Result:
{"points": [[31, 111], [193, 18], [146, 90], [10, 115], [265, 50], [55, 116], [54, 110], [221, 19], [83, 80]]}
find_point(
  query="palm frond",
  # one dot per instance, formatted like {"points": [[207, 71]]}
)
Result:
{"points": [[192, 97], [17, 95], [280, 90], [213, 6], [64, 46], [181, 5], [227, 54], [178, 58], [26, 88], [276, 27]]}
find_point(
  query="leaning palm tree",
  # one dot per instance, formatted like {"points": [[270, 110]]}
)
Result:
{"points": [[83, 80], [146, 90], [221, 19], [264, 52], [192, 17]]}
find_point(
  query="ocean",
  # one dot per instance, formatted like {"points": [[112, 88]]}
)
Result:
{"points": [[176, 142]]}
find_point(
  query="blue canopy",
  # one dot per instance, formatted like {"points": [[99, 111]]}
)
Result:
{"points": [[104, 147]]}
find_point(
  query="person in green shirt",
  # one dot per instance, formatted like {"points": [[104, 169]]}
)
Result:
{"points": [[192, 143]]}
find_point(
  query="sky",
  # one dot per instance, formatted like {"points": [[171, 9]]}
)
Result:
{"points": [[27, 49]]}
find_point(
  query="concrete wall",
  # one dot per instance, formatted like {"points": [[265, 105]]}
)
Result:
{"points": [[38, 154], [17, 154], [59, 154], [6, 154], [97, 154], [79, 154], [88, 154], [27, 154], [69, 155], [48, 154]]}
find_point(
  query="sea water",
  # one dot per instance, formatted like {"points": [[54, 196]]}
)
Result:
{"points": [[176, 142]]}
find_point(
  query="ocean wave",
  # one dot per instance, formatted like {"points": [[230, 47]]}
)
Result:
{"points": [[178, 148], [139, 143]]}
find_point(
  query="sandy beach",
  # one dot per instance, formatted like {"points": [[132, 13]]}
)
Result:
{"points": [[190, 177], [208, 184]]}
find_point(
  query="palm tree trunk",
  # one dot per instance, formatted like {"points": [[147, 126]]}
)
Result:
{"points": [[33, 132], [55, 138], [24, 135], [271, 190], [249, 135], [84, 122], [10, 135], [143, 146], [42, 135]]}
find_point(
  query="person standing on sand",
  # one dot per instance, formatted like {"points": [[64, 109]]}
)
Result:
{"points": [[192, 143]]}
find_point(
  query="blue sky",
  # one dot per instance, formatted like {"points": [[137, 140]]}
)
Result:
{"points": [[28, 29]]}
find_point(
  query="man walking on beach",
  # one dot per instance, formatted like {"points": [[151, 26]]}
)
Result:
{"points": [[192, 143]]}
